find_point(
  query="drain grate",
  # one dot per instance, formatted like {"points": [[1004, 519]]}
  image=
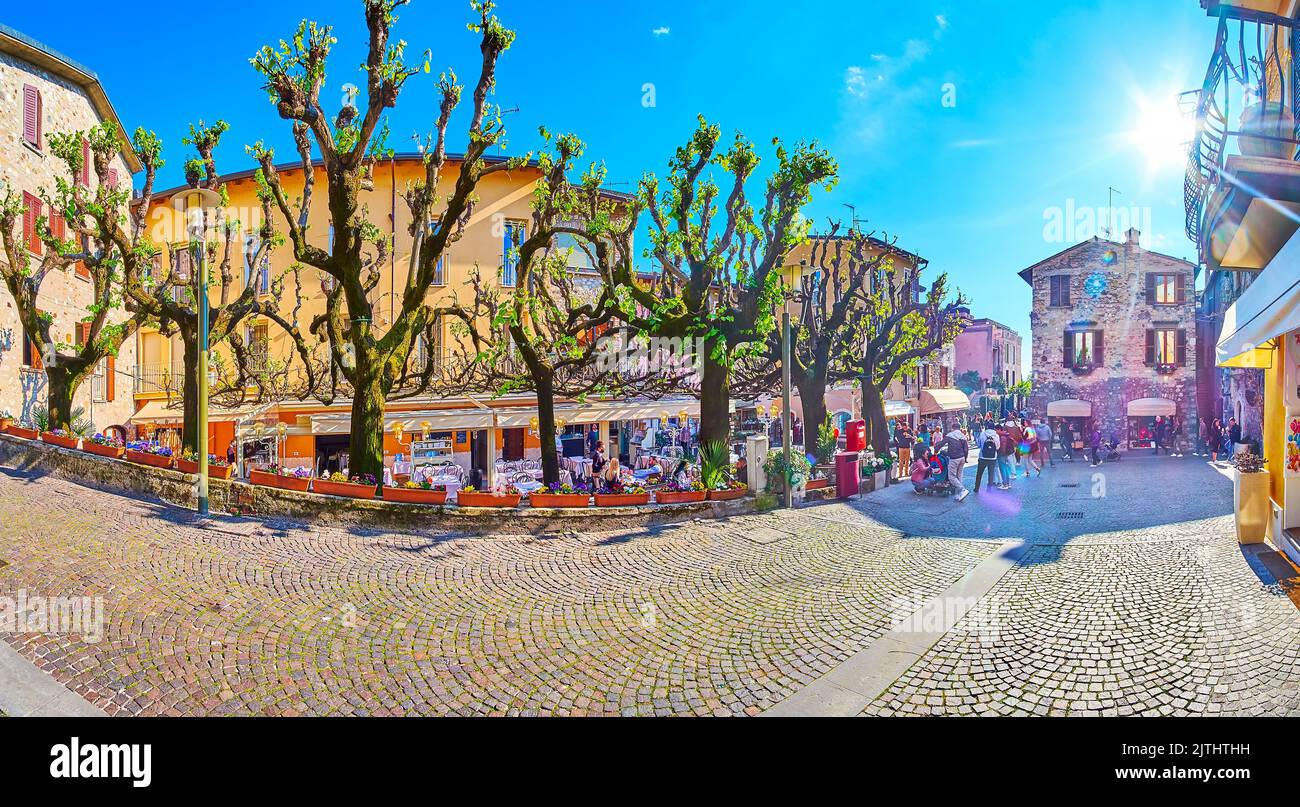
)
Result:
{"points": [[1069, 484], [1070, 515]]}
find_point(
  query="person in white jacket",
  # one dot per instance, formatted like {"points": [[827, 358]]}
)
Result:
{"points": [[958, 451]]}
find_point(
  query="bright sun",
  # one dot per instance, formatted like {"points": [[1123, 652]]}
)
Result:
{"points": [[1161, 134]]}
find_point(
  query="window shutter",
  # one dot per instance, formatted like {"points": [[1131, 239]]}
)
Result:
{"points": [[1151, 347], [85, 163], [110, 377], [1182, 347], [83, 333], [1069, 349], [112, 178], [30, 217], [32, 115], [1098, 349], [1180, 289], [33, 354], [1151, 288], [1065, 291]]}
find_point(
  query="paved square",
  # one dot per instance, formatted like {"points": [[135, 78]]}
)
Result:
{"points": [[1145, 604]]}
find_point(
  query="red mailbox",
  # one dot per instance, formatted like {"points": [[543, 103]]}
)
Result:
{"points": [[848, 481], [856, 439]]}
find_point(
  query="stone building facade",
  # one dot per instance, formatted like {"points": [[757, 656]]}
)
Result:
{"points": [[42, 92], [1114, 338]]}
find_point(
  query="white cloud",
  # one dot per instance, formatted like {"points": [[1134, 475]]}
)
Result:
{"points": [[885, 86], [661, 31], [942, 20]]}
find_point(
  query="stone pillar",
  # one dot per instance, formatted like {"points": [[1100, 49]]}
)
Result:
{"points": [[603, 435], [490, 472], [755, 455]]}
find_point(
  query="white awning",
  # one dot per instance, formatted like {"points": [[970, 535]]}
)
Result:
{"points": [[943, 400], [513, 417], [162, 413], [444, 420], [1150, 407], [899, 409], [1069, 408], [1267, 309]]}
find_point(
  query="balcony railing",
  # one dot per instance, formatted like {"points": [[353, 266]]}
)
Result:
{"points": [[1246, 71], [160, 377]]}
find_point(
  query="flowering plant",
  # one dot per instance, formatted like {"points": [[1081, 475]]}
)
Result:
{"points": [[690, 486], [625, 490], [145, 447], [213, 460], [411, 484], [364, 479], [106, 440], [60, 433], [300, 473], [569, 489]]}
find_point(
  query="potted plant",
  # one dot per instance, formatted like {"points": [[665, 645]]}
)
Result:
{"points": [[682, 492], [17, 430], [877, 468], [626, 496], [62, 438], [298, 479], [5, 419], [734, 489], [143, 452], [358, 487], [1251, 499], [104, 446], [797, 474], [188, 463], [819, 482], [562, 494], [415, 493], [507, 496]]}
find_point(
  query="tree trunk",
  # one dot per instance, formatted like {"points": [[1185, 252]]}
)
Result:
{"points": [[546, 428], [190, 394], [715, 397], [812, 397], [61, 389], [366, 445], [873, 411]]}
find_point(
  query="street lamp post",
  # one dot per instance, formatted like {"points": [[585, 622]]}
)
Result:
{"points": [[198, 201]]}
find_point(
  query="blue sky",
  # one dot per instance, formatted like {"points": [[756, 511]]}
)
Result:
{"points": [[959, 126]]}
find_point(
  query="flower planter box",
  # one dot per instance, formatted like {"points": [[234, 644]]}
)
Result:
{"points": [[727, 495], [19, 431], [349, 490], [4, 424], [270, 480], [622, 499], [145, 458], [112, 452], [62, 442], [481, 499], [680, 496], [214, 471], [817, 484], [882, 479], [540, 499], [415, 496]]}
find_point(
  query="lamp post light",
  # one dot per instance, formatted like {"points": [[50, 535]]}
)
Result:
{"points": [[198, 201]]}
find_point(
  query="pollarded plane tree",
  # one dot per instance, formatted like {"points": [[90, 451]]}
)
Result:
{"points": [[73, 228], [550, 332], [170, 297], [719, 256], [369, 363], [837, 283], [900, 325]]}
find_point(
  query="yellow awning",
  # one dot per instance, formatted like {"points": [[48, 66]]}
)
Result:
{"points": [[162, 413], [1267, 309], [943, 400], [1069, 408]]}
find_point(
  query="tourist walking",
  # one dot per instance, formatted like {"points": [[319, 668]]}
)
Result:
{"points": [[1006, 450], [958, 452], [988, 458], [903, 441], [1177, 438], [1214, 437], [1234, 438], [1094, 441], [1160, 435], [1045, 438]]}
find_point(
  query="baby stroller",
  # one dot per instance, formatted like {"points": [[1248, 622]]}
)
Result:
{"points": [[1111, 450]]}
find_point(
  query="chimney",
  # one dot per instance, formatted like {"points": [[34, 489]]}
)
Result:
{"points": [[1131, 237]]}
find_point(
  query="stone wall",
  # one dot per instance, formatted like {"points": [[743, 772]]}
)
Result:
{"points": [[1107, 283], [238, 498], [66, 108]]}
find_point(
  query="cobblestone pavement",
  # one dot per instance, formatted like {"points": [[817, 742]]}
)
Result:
{"points": [[716, 618], [703, 618], [1109, 613]]}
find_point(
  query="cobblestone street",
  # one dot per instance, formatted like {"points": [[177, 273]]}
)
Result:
{"points": [[1139, 600]]}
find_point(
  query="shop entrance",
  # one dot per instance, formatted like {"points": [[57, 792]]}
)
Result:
{"points": [[331, 453]]}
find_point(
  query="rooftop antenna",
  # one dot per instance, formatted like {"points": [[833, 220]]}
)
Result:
{"points": [[1110, 213], [854, 212]]}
